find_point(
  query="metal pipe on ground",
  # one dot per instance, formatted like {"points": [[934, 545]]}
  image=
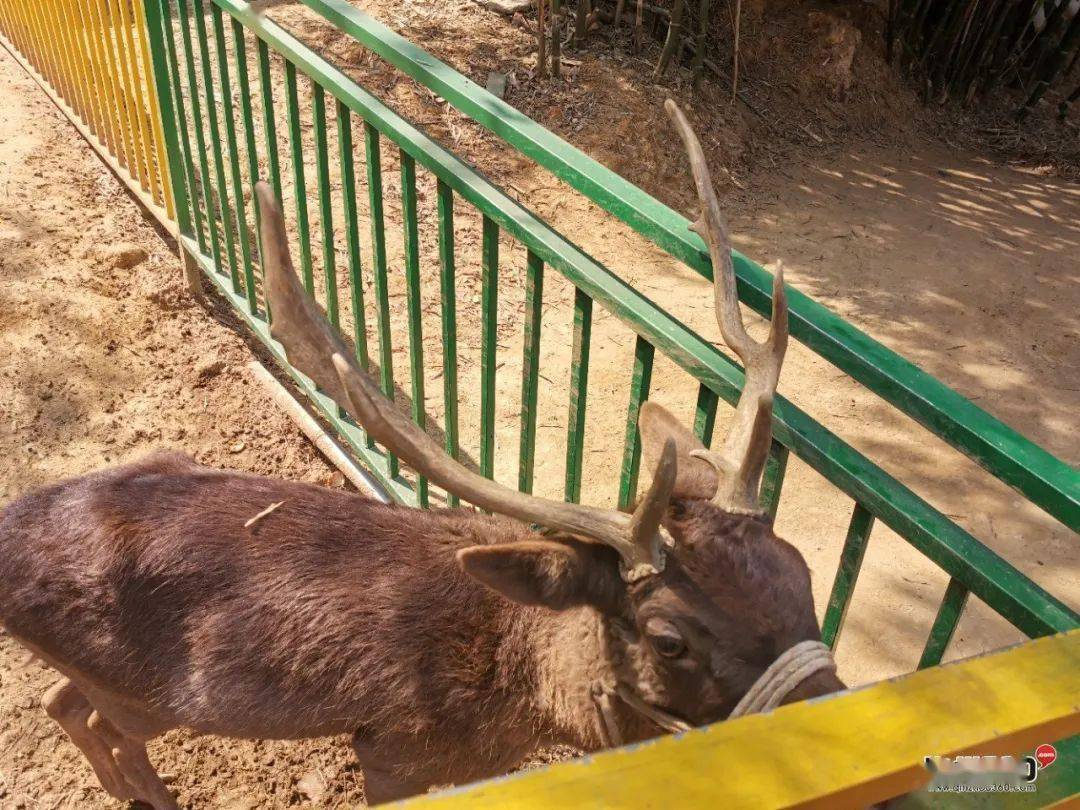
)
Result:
{"points": [[316, 433]]}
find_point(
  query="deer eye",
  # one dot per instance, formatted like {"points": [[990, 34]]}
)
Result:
{"points": [[665, 639]]}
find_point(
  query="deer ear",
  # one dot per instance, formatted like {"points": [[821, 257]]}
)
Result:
{"points": [[556, 574], [695, 478]]}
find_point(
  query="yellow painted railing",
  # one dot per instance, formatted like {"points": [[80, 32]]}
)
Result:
{"points": [[92, 57], [851, 750]]}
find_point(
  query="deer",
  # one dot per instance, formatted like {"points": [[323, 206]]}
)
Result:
{"points": [[448, 643]]}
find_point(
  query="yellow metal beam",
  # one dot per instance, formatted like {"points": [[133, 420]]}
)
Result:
{"points": [[853, 749], [102, 149], [92, 59], [162, 163]]}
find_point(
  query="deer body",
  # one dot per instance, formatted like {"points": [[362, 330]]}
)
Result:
{"points": [[333, 614], [449, 643]]}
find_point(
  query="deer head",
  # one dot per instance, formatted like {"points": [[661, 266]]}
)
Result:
{"points": [[700, 595]]}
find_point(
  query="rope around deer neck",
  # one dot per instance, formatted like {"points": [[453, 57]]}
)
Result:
{"points": [[778, 681]]}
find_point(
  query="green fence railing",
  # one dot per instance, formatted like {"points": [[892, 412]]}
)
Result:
{"points": [[223, 146], [1042, 478]]}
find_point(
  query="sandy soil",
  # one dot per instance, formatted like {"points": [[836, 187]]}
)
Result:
{"points": [[966, 267], [101, 363]]}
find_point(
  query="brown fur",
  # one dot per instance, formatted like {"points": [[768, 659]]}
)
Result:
{"points": [[450, 643]]}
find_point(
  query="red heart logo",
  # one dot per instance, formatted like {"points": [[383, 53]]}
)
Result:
{"points": [[1046, 754]]}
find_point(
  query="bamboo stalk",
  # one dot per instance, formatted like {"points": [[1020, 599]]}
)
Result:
{"points": [[541, 38], [639, 28], [582, 27], [556, 38], [735, 52], [699, 46], [674, 37], [1063, 107], [1055, 24], [1052, 65]]}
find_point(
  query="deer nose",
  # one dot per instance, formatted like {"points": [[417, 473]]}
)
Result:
{"points": [[823, 682]]}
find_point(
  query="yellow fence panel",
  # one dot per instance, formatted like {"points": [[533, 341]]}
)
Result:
{"points": [[848, 750], [92, 57]]}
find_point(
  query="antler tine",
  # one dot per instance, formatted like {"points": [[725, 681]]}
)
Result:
{"points": [[313, 347], [712, 227], [742, 458]]}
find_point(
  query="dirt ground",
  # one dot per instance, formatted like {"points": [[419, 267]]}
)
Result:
{"points": [[963, 265]]}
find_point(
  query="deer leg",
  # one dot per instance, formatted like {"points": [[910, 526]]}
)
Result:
{"points": [[130, 756], [385, 780], [65, 704]]}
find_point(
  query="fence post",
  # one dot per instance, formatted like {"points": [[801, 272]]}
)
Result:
{"points": [[156, 34]]}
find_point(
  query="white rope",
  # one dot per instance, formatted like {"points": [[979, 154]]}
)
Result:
{"points": [[784, 674], [778, 681]]}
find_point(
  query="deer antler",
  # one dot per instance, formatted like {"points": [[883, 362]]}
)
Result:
{"points": [[315, 348], [740, 461]]}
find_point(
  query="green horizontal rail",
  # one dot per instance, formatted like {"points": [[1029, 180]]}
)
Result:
{"points": [[992, 579], [1044, 479]]}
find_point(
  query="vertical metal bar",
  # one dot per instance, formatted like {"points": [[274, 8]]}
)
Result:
{"points": [[41, 46], [101, 82], [65, 52], [448, 301], [182, 122], [530, 368], [847, 572], [326, 211], [121, 149], [117, 107], [240, 210], [224, 210], [184, 13], [72, 93], [21, 35], [52, 50], [60, 54], [266, 86], [772, 480], [296, 141], [32, 40], [640, 383], [157, 114], [70, 20], [948, 615], [243, 84], [10, 19], [489, 318], [579, 381], [705, 414], [412, 281], [77, 57], [53, 54], [382, 296], [69, 61], [29, 43], [17, 34], [204, 179], [43, 56], [125, 52], [352, 233], [165, 79]]}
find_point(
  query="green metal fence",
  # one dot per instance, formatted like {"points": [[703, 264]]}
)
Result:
{"points": [[218, 62]]}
